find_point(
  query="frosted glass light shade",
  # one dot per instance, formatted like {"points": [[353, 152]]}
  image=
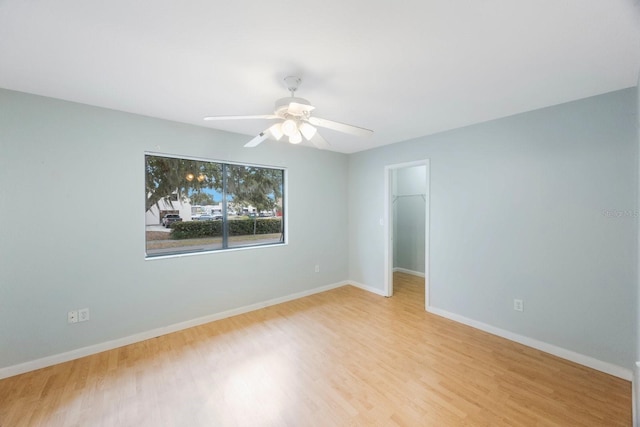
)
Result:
{"points": [[308, 131], [289, 127], [296, 138]]}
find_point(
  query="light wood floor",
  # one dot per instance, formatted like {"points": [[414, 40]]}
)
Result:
{"points": [[341, 358]]}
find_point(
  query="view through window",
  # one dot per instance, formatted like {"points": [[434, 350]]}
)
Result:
{"points": [[195, 205]]}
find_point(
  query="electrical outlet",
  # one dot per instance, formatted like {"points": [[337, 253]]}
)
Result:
{"points": [[317, 268], [72, 317], [83, 314], [518, 305]]}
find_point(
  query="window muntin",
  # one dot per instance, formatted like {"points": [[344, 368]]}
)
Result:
{"points": [[220, 205]]}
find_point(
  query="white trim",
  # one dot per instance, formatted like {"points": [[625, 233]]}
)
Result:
{"points": [[55, 359], [599, 365], [388, 232], [388, 219], [218, 251], [367, 288], [427, 239], [406, 271], [44, 362], [635, 395], [590, 362], [207, 159]]}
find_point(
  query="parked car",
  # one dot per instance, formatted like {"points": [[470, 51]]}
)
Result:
{"points": [[170, 219], [205, 218]]}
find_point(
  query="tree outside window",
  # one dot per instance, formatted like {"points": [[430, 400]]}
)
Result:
{"points": [[238, 205]]}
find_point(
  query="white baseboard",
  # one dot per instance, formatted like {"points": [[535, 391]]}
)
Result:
{"points": [[563, 353], [590, 362], [367, 288], [55, 359], [44, 362], [404, 270]]}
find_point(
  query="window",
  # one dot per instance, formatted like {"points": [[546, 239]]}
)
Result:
{"points": [[195, 205]]}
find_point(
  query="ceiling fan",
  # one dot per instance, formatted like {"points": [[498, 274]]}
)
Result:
{"points": [[295, 121]]}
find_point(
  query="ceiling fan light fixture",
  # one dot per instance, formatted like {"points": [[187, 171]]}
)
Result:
{"points": [[307, 131], [289, 127], [276, 131], [295, 121], [296, 138]]}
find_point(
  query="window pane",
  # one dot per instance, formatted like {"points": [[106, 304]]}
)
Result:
{"points": [[256, 194], [186, 210]]}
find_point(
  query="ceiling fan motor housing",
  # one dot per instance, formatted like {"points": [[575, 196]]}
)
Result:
{"points": [[282, 106]]}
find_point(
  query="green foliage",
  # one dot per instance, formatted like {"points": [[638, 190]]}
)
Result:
{"points": [[201, 198], [195, 229], [255, 186], [241, 227], [237, 227], [168, 176]]}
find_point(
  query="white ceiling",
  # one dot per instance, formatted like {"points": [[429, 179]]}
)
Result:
{"points": [[404, 69]]}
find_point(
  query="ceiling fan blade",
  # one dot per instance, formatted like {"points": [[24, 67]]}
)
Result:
{"points": [[340, 127], [258, 139], [298, 109], [263, 116], [320, 142]]}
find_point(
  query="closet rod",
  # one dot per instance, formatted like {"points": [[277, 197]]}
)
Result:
{"points": [[424, 196]]}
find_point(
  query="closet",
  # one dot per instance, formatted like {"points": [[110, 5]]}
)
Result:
{"points": [[409, 213]]}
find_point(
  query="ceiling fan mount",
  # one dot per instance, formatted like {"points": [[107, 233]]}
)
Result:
{"points": [[292, 83], [295, 121]]}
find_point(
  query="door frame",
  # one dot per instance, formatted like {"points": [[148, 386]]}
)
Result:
{"points": [[388, 225]]}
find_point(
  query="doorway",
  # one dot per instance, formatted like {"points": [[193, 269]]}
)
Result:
{"points": [[407, 222]]}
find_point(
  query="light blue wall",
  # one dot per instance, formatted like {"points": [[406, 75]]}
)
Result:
{"points": [[72, 234], [539, 206], [533, 206], [409, 218]]}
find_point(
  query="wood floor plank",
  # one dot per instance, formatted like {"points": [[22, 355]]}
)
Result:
{"points": [[340, 358]]}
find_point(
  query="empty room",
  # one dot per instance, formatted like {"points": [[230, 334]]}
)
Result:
{"points": [[319, 213]]}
